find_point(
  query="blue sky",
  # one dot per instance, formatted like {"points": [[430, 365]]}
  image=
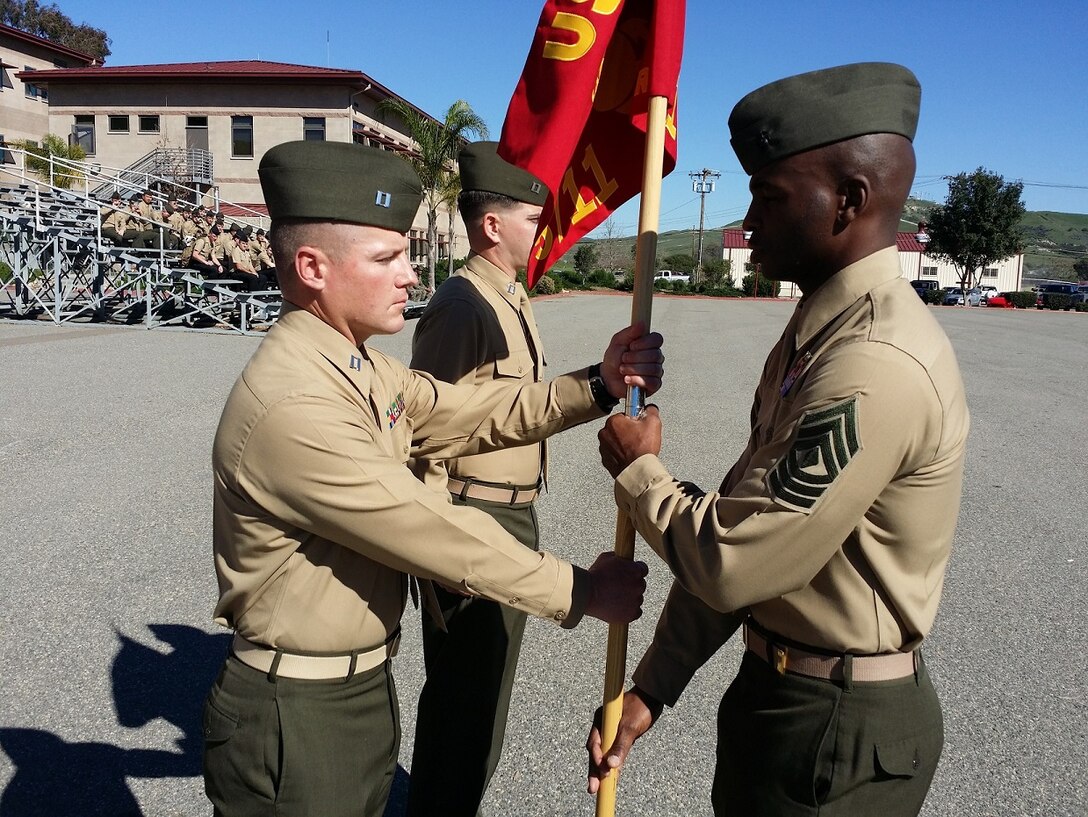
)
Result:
{"points": [[1004, 84]]}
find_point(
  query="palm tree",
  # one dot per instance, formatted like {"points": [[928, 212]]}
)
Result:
{"points": [[437, 146]]}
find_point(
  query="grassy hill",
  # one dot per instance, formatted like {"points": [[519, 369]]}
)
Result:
{"points": [[1052, 241]]}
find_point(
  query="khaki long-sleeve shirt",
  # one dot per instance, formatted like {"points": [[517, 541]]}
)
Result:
{"points": [[477, 328], [834, 527], [318, 521]]}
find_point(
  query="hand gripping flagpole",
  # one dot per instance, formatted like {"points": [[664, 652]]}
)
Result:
{"points": [[645, 260]]}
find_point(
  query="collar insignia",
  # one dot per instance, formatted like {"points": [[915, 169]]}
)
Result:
{"points": [[511, 288], [395, 410], [356, 363]]}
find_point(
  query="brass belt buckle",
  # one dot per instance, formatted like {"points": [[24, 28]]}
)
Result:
{"points": [[780, 657]]}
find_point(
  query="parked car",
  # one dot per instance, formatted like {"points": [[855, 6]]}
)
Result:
{"points": [[954, 296], [414, 308], [1061, 296], [999, 301], [669, 275], [922, 287], [988, 292]]}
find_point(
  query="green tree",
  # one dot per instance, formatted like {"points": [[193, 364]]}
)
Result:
{"points": [[435, 156], [717, 273], [57, 173], [680, 262], [767, 288], [978, 224], [1080, 267], [585, 261], [50, 23]]}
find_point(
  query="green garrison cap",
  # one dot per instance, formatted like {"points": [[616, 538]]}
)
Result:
{"points": [[811, 110], [339, 181], [483, 169]]}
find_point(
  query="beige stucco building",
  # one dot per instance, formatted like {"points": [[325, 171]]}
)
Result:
{"points": [[209, 123], [24, 106]]}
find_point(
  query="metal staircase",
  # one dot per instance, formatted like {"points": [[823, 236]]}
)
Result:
{"points": [[190, 168]]}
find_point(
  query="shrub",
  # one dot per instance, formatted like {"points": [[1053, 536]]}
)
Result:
{"points": [[768, 288], [1057, 301], [935, 296], [545, 286], [602, 278], [5, 273], [1081, 307], [1021, 300]]}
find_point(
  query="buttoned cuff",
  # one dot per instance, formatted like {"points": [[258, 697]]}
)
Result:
{"points": [[576, 399], [636, 479]]}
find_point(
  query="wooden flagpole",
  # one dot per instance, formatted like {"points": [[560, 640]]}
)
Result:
{"points": [[645, 261]]}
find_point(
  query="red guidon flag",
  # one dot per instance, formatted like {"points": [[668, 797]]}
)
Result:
{"points": [[577, 120]]}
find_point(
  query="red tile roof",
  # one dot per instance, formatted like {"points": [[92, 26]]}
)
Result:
{"points": [[243, 210], [226, 70], [27, 37], [733, 239], [908, 242], [244, 71]]}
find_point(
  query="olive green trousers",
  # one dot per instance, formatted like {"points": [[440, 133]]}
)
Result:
{"points": [[463, 706], [295, 748], [791, 745]]}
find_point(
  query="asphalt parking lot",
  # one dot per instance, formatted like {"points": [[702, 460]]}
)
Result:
{"points": [[107, 645]]}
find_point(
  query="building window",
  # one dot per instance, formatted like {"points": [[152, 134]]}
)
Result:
{"points": [[6, 157], [149, 123], [930, 271], [5, 79], [241, 137], [118, 123], [313, 128], [417, 247], [35, 91], [196, 121], [83, 133], [989, 272]]}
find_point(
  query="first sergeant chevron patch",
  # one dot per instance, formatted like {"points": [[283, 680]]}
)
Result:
{"points": [[827, 439]]}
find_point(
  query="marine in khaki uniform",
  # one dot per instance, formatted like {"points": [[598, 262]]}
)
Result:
{"points": [[479, 328], [830, 535], [318, 521], [203, 256], [115, 223], [149, 237]]}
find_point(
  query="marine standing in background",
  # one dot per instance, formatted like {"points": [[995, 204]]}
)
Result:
{"points": [[478, 328]]}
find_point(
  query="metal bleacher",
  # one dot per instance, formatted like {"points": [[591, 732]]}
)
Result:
{"points": [[56, 266]]}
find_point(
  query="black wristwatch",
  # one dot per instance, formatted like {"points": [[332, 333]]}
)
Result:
{"points": [[599, 390]]}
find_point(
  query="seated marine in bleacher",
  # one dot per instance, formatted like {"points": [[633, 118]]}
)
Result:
{"points": [[244, 270], [116, 226], [203, 258], [144, 216]]}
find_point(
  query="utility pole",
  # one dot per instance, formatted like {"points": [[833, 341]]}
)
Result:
{"points": [[702, 182]]}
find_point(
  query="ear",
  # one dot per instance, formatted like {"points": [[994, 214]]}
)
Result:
{"points": [[491, 225], [855, 194], [312, 268]]}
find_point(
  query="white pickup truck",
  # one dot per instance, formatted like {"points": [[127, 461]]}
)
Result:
{"points": [[669, 275]]}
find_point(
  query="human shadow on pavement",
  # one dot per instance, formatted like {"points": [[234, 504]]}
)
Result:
{"points": [[53, 776]]}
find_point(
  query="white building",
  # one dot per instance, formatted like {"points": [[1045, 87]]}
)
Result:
{"points": [[915, 264]]}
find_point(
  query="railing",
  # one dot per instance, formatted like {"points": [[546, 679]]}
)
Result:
{"points": [[57, 265], [184, 167], [93, 180]]}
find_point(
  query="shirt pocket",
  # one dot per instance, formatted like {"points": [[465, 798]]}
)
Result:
{"points": [[518, 363]]}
